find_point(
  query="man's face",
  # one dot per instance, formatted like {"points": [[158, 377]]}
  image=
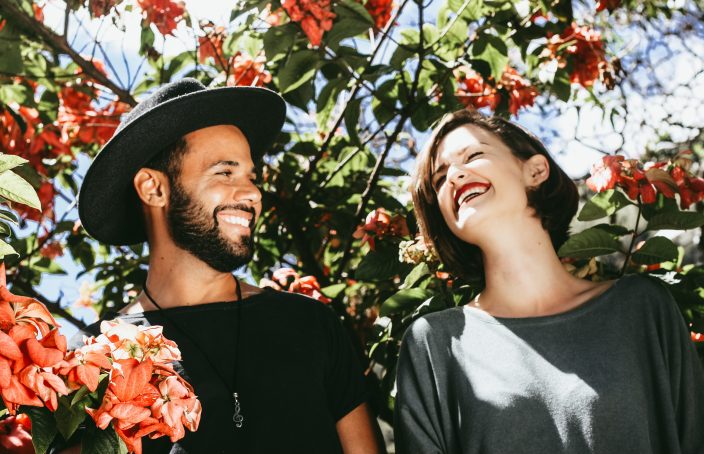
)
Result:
{"points": [[214, 202]]}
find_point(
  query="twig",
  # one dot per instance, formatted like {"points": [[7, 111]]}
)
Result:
{"points": [[12, 12]]}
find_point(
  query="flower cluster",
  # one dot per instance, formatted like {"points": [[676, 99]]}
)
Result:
{"points": [[416, 251], [583, 47], [380, 10], [165, 14], [644, 182], [286, 279], [31, 352], [79, 122], [378, 224], [145, 396], [474, 91], [315, 17], [247, 71]]}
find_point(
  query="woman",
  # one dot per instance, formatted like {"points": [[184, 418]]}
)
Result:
{"points": [[540, 361]]}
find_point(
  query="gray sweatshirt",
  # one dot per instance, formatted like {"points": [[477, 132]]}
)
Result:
{"points": [[618, 374]]}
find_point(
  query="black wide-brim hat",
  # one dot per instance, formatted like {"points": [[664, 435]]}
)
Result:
{"points": [[108, 205]]}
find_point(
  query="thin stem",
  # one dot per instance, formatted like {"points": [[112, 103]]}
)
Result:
{"points": [[629, 253]]}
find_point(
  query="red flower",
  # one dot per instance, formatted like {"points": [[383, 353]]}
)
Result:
{"points": [[309, 285], [99, 8], [315, 17], [380, 10], [521, 93], [286, 279], [210, 45], [607, 4], [378, 224], [690, 188], [605, 173], [245, 71], [697, 337], [165, 14], [473, 91], [585, 49]]}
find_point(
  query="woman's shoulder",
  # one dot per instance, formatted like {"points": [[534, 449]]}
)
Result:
{"points": [[436, 325]]}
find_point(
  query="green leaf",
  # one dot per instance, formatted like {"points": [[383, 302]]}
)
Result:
{"points": [[613, 229], [380, 264], [473, 10], [146, 40], [327, 99], [352, 20], [14, 188], [299, 69], [97, 441], [419, 272], [10, 54], [589, 243], [9, 216], [657, 249], [43, 427], [18, 93], [352, 119], [10, 161], [69, 417], [6, 249], [332, 291], [278, 41], [676, 220], [561, 85], [404, 301], [603, 204], [82, 392], [494, 51], [400, 56]]}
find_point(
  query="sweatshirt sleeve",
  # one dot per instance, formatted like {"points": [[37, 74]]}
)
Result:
{"points": [[687, 383], [687, 389], [417, 417]]}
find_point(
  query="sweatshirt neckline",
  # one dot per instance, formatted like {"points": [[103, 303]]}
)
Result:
{"points": [[575, 312]]}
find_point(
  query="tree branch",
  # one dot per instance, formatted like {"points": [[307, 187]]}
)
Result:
{"points": [[28, 25], [53, 307]]}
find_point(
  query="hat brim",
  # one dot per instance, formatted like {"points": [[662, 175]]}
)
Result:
{"points": [[108, 206]]}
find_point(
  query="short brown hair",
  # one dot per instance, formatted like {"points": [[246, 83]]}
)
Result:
{"points": [[554, 201]]}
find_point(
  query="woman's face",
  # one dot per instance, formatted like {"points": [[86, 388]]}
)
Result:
{"points": [[478, 182]]}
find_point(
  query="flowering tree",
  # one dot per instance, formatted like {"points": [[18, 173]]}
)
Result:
{"points": [[365, 80]]}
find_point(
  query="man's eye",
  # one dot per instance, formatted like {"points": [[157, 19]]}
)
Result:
{"points": [[226, 173]]}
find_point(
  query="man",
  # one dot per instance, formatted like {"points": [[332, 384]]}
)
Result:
{"points": [[274, 371]]}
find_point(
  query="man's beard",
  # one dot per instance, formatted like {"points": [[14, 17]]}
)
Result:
{"points": [[197, 232]]}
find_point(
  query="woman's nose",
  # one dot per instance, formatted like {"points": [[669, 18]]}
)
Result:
{"points": [[456, 175]]}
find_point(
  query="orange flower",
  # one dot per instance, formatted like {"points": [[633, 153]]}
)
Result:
{"points": [[315, 17], [84, 365], [380, 10], [15, 435], [165, 14], [130, 341], [246, 71], [611, 5], [378, 224], [309, 285], [177, 405], [210, 45]]}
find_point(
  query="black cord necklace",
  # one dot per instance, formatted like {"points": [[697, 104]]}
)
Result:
{"points": [[237, 417]]}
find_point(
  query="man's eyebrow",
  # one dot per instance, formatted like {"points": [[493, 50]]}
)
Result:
{"points": [[232, 164]]}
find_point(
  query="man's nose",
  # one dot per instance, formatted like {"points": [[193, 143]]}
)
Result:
{"points": [[248, 192]]}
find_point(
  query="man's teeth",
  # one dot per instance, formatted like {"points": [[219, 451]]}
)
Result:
{"points": [[235, 220], [471, 193]]}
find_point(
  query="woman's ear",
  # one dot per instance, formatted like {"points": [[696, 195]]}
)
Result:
{"points": [[152, 187], [536, 170]]}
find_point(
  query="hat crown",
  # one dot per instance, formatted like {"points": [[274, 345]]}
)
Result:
{"points": [[165, 93]]}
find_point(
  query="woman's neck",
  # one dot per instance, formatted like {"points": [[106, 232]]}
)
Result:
{"points": [[524, 276]]}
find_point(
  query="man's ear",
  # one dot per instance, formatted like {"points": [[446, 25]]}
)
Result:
{"points": [[536, 170], [152, 187]]}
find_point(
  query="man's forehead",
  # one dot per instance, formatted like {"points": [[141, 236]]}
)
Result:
{"points": [[219, 143]]}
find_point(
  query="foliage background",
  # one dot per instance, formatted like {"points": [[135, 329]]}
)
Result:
{"points": [[364, 80]]}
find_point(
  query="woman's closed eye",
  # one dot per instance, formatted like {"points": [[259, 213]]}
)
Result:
{"points": [[438, 182], [472, 156]]}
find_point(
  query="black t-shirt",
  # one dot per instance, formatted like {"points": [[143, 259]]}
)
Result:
{"points": [[297, 374]]}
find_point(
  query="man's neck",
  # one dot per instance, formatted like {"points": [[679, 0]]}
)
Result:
{"points": [[177, 278]]}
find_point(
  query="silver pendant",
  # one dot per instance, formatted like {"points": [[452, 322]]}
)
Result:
{"points": [[237, 418]]}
